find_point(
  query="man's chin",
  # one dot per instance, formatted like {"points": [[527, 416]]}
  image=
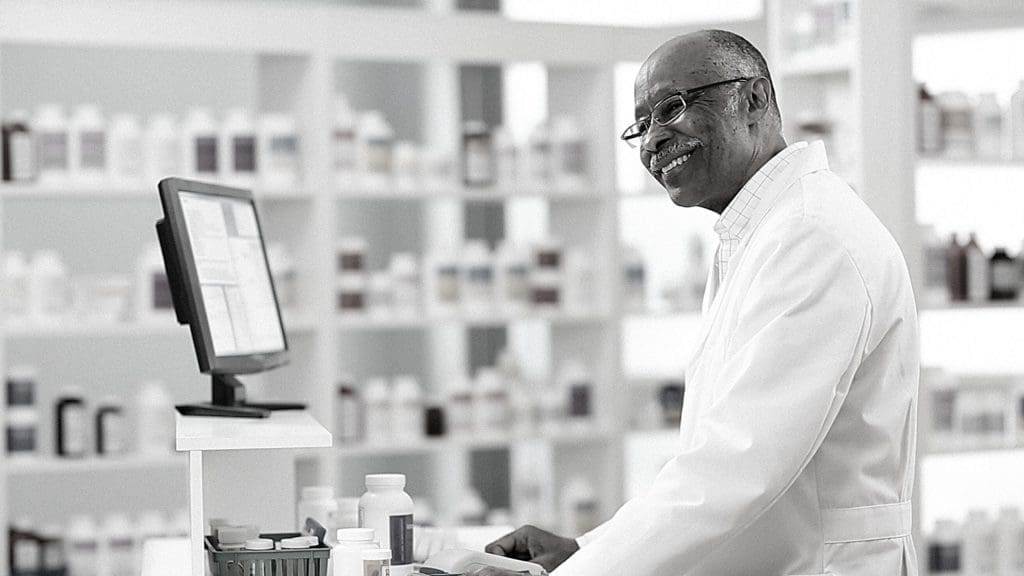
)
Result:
{"points": [[680, 198]]}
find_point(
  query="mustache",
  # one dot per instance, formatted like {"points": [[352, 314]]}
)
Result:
{"points": [[689, 145]]}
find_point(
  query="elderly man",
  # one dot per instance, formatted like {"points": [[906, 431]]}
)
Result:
{"points": [[797, 443]]}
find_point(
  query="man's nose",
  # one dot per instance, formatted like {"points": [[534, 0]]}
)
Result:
{"points": [[654, 137]]}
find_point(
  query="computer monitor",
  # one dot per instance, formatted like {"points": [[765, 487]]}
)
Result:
{"points": [[221, 285]]}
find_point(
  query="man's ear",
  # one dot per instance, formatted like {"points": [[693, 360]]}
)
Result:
{"points": [[758, 99]]}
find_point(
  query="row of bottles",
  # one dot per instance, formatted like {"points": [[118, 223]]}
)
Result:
{"points": [[955, 125], [958, 271], [979, 546]]}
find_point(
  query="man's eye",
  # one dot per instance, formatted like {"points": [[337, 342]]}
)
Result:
{"points": [[669, 110]]}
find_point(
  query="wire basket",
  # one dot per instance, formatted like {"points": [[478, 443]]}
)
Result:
{"points": [[304, 562]]}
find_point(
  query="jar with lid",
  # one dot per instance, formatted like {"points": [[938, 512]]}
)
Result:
{"points": [[317, 503], [347, 556], [387, 509], [477, 155]]}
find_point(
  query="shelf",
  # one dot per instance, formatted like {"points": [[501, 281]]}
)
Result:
{"points": [[950, 448], [369, 322], [283, 429], [822, 61], [123, 192], [61, 467], [72, 328], [680, 313], [940, 163], [1009, 305], [427, 446], [475, 194], [944, 16]]}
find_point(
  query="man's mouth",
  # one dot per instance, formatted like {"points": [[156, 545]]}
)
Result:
{"points": [[680, 155], [673, 165]]}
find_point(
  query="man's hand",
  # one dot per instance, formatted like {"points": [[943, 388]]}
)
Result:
{"points": [[533, 545]]}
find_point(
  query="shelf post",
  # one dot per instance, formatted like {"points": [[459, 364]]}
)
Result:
{"points": [[196, 530]]}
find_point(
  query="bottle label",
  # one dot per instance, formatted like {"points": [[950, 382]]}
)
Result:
{"points": [[376, 568], [93, 155], [206, 154], [284, 154], [244, 149], [53, 151], [25, 556], [21, 440], [400, 528], [1004, 276], [22, 157]]}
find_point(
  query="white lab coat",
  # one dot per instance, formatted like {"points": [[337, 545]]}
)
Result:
{"points": [[797, 444]]}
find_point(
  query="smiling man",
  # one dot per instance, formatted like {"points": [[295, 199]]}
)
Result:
{"points": [[797, 442]]}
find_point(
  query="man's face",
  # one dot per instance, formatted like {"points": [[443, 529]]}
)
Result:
{"points": [[709, 135]]}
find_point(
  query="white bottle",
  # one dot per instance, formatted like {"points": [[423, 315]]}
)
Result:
{"points": [[162, 148], [568, 153], [988, 127], [936, 290], [118, 547], [580, 508], [348, 513], [634, 280], [125, 165], [977, 272], [16, 286], [490, 402], [1010, 534], [49, 289], [318, 503], [343, 142], [512, 278], [377, 399], [346, 557], [88, 145], [441, 282], [154, 412], [980, 544], [279, 150], [957, 125], [1017, 122], [460, 408], [407, 409], [477, 276], [201, 154], [82, 544], [376, 141], [53, 143], [405, 274], [239, 143], [387, 509]]}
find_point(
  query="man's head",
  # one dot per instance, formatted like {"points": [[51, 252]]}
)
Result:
{"points": [[725, 133]]}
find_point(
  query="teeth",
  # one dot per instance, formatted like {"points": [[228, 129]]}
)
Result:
{"points": [[674, 164]]}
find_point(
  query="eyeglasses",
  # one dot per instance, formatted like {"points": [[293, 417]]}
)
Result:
{"points": [[667, 111]]}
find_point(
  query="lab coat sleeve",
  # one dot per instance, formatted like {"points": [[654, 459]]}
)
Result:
{"points": [[787, 367]]}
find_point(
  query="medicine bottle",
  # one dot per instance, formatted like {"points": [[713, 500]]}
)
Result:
{"points": [[579, 282], [239, 143], [351, 255], [352, 295], [477, 278], [512, 278], [70, 423], [376, 146], [1004, 276], [110, 428], [153, 299], [478, 165], [82, 546], [380, 293], [577, 384], [52, 144], [977, 271], [539, 156], [318, 503], [24, 547], [407, 409], [21, 386], [387, 509], [162, 148], [441, 272], [279, 150], [22, 431], [490, 402], [377, 399], [347, 556], [200, 138], [569, 153], [634, 280], [343, 142], [18, 161], [460, 407], [379, 563], [350, 411], [957, 125], [988, 127], [51, 543], [88, 144], [126, 163], [49, 291], [929, 123]]}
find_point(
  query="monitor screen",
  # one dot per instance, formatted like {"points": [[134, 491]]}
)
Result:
{"points": [[231, 269]]}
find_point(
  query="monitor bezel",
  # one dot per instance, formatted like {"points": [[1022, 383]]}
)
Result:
{"points": [[209, 362]]}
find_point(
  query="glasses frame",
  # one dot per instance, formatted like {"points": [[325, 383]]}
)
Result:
{"points": [[634, 132]]}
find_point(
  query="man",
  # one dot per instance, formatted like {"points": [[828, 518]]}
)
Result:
{"points": [[797, 443]]}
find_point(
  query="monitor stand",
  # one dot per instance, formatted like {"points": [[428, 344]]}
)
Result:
{"points": [[229, 401]]}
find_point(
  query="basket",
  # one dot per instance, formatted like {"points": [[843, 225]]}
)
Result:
{"points": [[305, 562]]}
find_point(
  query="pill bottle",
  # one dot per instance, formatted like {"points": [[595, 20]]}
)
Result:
{"points": [[343, 142], [490, 402], [24, 548], [577, 384], [579, 281], [52, 556], [200, 138], [387, 509], [110, 428], [512, 278], [22, 432], [82, 546], [348, 513], [350, 255], [477, 278], [279, 150], [153, 300], [376, 146], [407, 408], [88, 145], [19, 155], [634, 280], [377, 398], [126, 163], [441, 281], [378, 563], [53, 143], [460, 406], [16, 282], [350, 412], [988, 127], [318, 503], [539, 158], [238, 140], [49, 290], [478, 163], [957, 125], [161, 147], [21, 386], [70, 427], [569, 153], [352, 296], [405, 276], [347, 555], [545, 288]]}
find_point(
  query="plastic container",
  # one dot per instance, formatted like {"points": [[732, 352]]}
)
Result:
{"points": [[20, 386], [343, 142], [18, 163], [956, 270], [936, 292], [378, 563], [70, 430], [88, 144], [350, 412], [512, 278], [318, 503], [53, 143], [16, 282], [477, 278], [1004, 276], [380, 294], [376, 141], [82, 546], [478, 158], [352, 293], [978, 289], [988, 127], [490, 402], [201, 144], [387, 509], [154, 426], [377, 399], [538, 157], [239, 141], [634, 280], [24, 547], [347, 555], [348, 513], [945, 549], [162, 148], [51, 542], [126, 162], [110, 428], [929, 124], [350, 255], [279, 150], [441, 281], [957, 125], [1009, 534], [578, 386], [980, 551], [260, 557], [49, 290], [406, 409], [22, 432], [460, 416]]}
